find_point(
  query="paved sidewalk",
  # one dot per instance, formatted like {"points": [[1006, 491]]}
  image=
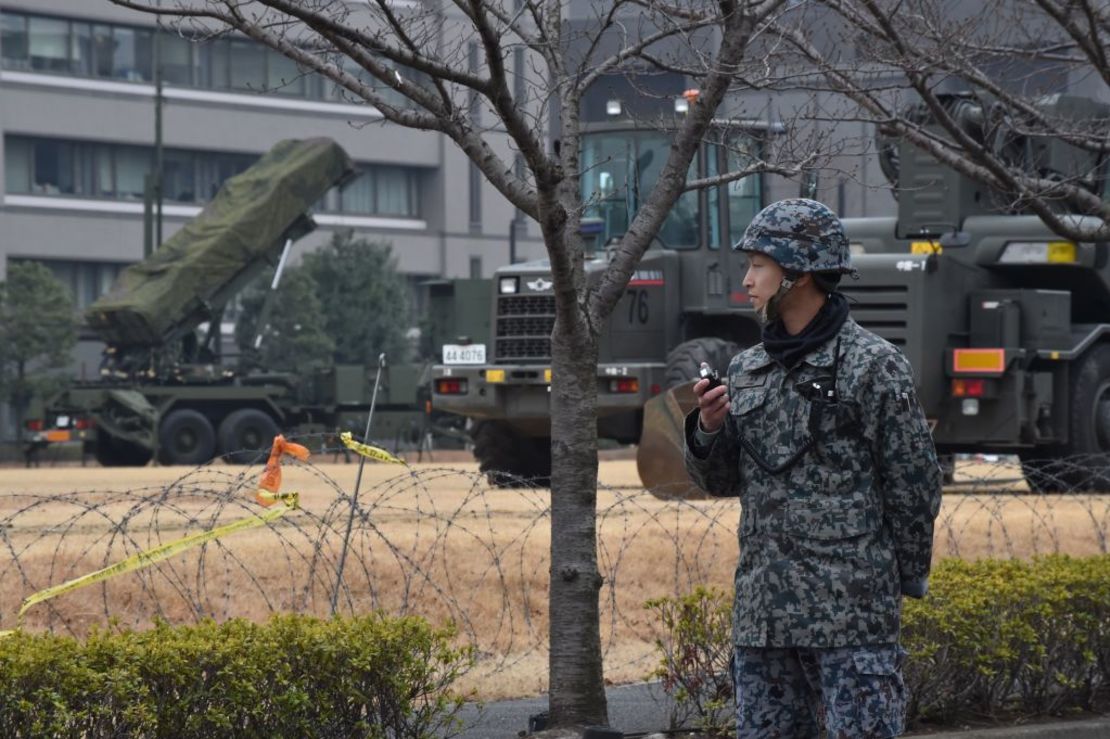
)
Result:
{"points": [[641, 709], [1080, 729]]}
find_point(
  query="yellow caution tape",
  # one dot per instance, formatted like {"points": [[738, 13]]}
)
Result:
{"points": [[159, 553], [268, 498], [370, 452]]}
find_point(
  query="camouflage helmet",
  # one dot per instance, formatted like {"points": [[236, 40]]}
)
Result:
{"points": [[801, 235]]}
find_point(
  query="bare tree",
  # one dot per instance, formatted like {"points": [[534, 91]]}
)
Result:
{"points": [[976, 85], [413, 61]]}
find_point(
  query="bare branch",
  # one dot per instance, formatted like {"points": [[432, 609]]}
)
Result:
{"points": [[637, 49], [737, 28], [786, 170], [497, 92]]}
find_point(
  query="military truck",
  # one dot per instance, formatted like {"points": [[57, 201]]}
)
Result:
{"points": [[165, 392], [1004, 322], [684, 304]]}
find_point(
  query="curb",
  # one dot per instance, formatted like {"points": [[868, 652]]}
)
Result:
{"points": [[1080, 729]]}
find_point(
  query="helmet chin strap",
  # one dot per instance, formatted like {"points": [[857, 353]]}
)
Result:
{"points": [[770, 310]]}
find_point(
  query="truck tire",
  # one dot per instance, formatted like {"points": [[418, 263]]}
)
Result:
{"points": [[246, 435], [659, 453], [684, 361], [1043, 475], [186, 437], [1083, 464], [509, 459], [110, 452]]}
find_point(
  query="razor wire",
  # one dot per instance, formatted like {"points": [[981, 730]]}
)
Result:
{"points": [[443, 543]]}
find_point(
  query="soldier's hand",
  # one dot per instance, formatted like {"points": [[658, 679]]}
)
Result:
{"points": [[712, 405]]}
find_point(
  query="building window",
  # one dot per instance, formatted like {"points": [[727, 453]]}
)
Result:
{"points": [[744, 195], [81, 49], [475, 268], [39, 166], [282, 75], [102, 47], [396, 192], [713, 196], [177, 59], [17, 165], [54, 170], [13, 41], [382, 190], [248, 65], [48, 44], [109, 51], [86, 281], [132, 164], [179, 176]]}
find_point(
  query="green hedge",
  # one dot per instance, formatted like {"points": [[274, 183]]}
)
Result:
{"points": [[371, 676], [993, 638]]}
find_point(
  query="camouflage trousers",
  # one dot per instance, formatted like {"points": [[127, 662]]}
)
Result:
{"points": [[794, 693]]}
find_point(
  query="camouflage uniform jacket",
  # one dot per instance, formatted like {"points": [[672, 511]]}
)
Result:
{"points": [[827, 545]]}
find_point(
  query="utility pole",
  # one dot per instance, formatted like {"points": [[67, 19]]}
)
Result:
{"points": [[153, 196]]}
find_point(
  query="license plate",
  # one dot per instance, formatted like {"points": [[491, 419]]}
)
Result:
{"points": [[464, 353], [57, 435]]}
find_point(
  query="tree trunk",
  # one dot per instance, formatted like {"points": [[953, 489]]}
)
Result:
{"points": [[18, 399], [577, 688]]}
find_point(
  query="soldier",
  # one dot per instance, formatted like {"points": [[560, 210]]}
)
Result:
{"points": [[819, 433]]}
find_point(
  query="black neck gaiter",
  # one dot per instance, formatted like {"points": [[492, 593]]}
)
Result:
{"points": [[788, 350]]}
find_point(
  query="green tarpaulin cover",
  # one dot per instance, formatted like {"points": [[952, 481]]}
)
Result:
{"points": [[243, 226]]}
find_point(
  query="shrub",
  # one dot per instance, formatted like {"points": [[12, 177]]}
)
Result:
{"points": [[993, 637], [370, 676], [696, 645], [1006, 635]]}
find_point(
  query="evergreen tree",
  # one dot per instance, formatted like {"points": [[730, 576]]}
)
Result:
{"points": [[295, 336], [38, 332], [365, 299]]}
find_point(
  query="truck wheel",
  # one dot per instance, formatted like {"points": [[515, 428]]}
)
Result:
{"points": [[659, 453], [246, 435], [1083, 464], [509, 459], [111, 452], [684, 361], [186, 437], [1045, 475]]}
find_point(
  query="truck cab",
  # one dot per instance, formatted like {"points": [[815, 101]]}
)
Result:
{"points": [[684, 304]]}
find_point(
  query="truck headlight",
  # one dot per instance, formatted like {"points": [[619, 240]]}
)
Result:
{"points": [[508, 285], [1038, 252]]}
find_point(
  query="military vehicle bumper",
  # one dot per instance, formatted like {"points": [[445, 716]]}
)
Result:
{"points": [[521, 394]]}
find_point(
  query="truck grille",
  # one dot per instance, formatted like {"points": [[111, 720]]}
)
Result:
{"points": [[525, 326], [523, 331], [526, 305], [881, 309]]}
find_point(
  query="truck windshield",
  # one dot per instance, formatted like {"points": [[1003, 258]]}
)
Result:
{"points": [[619, 170]]}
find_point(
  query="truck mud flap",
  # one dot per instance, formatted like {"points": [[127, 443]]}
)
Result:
{"points": [[659, 456]]}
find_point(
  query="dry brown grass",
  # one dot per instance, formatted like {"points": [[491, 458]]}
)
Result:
{"points": [[432, 540]]}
